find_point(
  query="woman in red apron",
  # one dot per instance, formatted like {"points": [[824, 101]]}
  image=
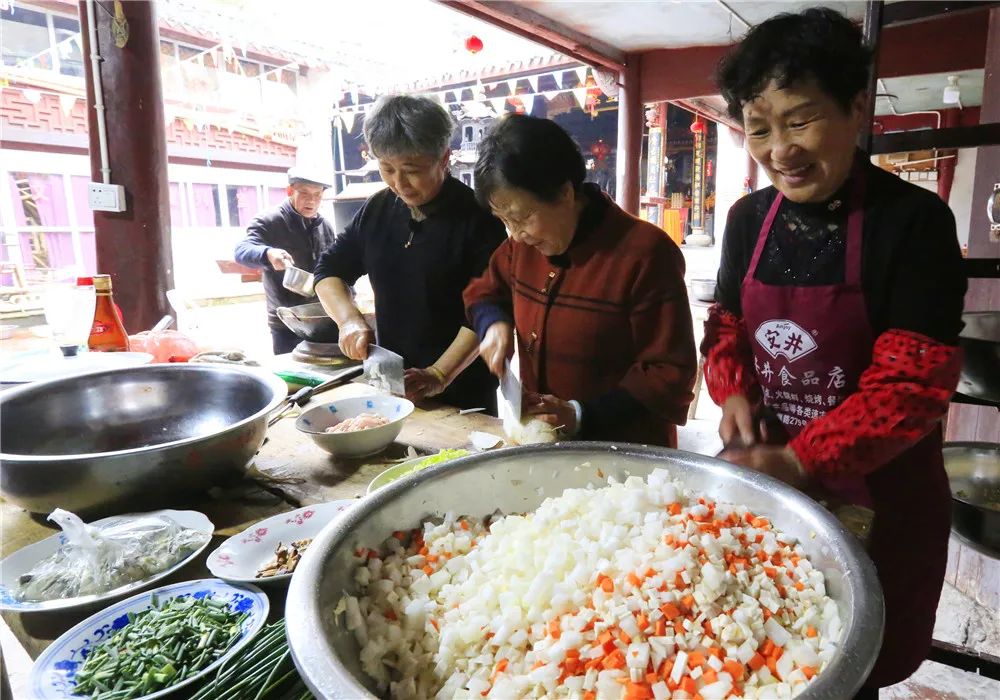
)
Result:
{"points": [[838, 308]]}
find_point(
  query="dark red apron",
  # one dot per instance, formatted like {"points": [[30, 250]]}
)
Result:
{"points": [[811, 345]]}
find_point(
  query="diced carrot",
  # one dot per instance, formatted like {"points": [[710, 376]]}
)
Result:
{"points": [[432, 558], [642, 622], [810, 631], [716, 652], [372, 554], [594, 663], [767, 614], [688, 685], [766, 647], [650, 572], [707, 626], [695, 659], [554, 631], [633, 579], [606, 636], [688, 601], [710, 676], [679, 627], [760, 523], [652, 678], [501, 666], [615, 659], [661, 628], [776, 558], [795, 560], [607, 585], [734, 668], [776, 653], [758, 539], [434, 624], [808, 672], [590, 695], [679, 581], [748, 517], [772, 666], [799, 586], [424, 551], [782, 591], [464, 524], [665, 669], [638, 691], [538, 664], [674, 509], [428, 569], [668, 539], [697, 696], [572, 653], [391, 615], [756, 662], [625, 639], [399, 535]]}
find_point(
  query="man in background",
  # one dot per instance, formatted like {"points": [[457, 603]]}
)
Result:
{"points": [[291, 234]]}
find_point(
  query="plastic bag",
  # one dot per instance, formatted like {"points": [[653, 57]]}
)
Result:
{"points": [[164, 346], [97, 559]]}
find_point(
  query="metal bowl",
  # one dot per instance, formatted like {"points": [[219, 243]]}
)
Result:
{"points": [[703, 290], [974, 474], [298, 281], [980, 342], [101, 439], [518, 480]]}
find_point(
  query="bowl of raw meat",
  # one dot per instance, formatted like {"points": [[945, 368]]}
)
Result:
{"points": [[355, 427]]}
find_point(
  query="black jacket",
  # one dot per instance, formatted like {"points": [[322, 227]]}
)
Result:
{"points": [[283, 227], [418, 270]]}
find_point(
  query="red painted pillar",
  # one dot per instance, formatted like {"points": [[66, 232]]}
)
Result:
{"points": [[630, 121], [946, 167], [132, 246]]}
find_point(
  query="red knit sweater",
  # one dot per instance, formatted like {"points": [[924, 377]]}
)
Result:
{"points": [[608, 317]]}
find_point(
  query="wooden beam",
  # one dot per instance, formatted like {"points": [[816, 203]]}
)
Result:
{"points": [[925, 139], [631, 118], [959, 43], [536, 27]]}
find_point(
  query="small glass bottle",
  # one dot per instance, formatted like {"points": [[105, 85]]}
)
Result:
{"points": [[107, 334]]}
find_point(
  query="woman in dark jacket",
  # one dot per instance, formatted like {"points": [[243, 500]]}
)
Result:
{"points": [[420, 241], [839, 306]]}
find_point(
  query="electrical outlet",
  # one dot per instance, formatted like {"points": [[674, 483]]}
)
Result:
{"points": [[104, 197]]}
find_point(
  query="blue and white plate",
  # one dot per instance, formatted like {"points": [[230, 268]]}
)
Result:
{"points": [[24, 559], [53, 675]]}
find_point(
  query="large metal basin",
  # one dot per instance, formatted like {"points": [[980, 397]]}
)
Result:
{"points": [[974, 473], [518, 480], [98, 440]]}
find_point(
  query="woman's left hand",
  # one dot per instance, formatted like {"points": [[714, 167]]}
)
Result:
{"points": [[779, 462], [552, 410], [422, 384]]}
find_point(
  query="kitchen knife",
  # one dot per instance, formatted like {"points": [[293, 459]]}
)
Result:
{"points": [[510, 388], [384, 371]]}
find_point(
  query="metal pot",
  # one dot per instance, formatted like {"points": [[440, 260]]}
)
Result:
{"points": [[99, 440], [703, 290], [980, 341], [974, 474], [518, 480], [298, 281]]}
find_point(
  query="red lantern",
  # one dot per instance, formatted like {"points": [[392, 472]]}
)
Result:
{"points": [[473, 44], [697, 126], [600, 150]]}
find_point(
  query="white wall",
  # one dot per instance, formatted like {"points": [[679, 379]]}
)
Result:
{"points": [[960, 200]]}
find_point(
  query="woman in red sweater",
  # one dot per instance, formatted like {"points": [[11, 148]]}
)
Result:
{"points": [[595, 295], [839, 297]]}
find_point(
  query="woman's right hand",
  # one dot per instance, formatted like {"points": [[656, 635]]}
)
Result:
{"points": [[497, 345], [355, 337], [737, 426]]}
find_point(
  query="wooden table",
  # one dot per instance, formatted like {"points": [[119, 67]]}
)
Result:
{"points": [[288, 472]]}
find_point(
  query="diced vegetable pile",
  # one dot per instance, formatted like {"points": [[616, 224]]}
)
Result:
{"points": [[159, 648], [636, 590]]}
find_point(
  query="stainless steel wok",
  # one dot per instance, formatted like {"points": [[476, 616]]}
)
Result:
{"points": [[974, 474], [518, 480], [309, 322], [101, 439]]}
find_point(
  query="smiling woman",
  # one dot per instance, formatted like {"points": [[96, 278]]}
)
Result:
{"points": [[839, 296]]}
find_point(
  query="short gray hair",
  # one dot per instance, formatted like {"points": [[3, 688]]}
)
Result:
{"points": [[408, 125]]}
